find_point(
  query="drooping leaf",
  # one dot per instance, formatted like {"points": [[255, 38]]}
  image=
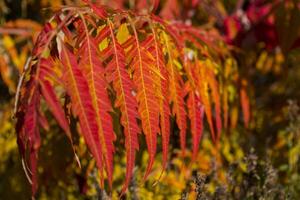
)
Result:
{"points": [[94, 73], [30, 139], [211, 80], [53, 103], [196, 111], [144, 77], [78, 89], [51, 99], [176, 93], [202, 85], [162, 94], [139, 63], [127, 103]]}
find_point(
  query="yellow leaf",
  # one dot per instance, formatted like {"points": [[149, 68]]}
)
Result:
{"points": [[103, 44], [177, 64], [123, 34], [8, 42]]}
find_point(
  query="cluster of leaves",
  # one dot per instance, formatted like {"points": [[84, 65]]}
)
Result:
{"points": [[90, 63], [265, 33]]}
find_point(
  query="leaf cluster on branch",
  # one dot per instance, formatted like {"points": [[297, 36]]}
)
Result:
{"points": [[90, 61]]}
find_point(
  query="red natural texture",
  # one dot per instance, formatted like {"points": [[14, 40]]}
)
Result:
{"points": [[51, 99], [176, 94], [170, 9], [127, 103], [77, 88], [104, 60], [196, 113], [32, 137], [54, 105], [99, 10], [145, 78], [91, 66], [216, 98], [162, 95], [203, 88]]}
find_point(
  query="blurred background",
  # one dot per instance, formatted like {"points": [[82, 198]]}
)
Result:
{"points": [[257, 161]]}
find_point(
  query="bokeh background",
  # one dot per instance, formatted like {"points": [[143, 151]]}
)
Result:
{"points": [[260, 160]]}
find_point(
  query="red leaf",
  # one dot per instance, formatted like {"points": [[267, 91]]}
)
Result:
{"points": [[216, 98], [176, 93], [54, 105], [99, 10], [170, 10], [144, 78], [162, 94], [78, 90], [196, 111], [94, 73], [32, 138], [203, 91], [127, 103]]}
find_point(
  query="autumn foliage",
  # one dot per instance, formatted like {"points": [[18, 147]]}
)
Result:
{"points": [[90, 62]]}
